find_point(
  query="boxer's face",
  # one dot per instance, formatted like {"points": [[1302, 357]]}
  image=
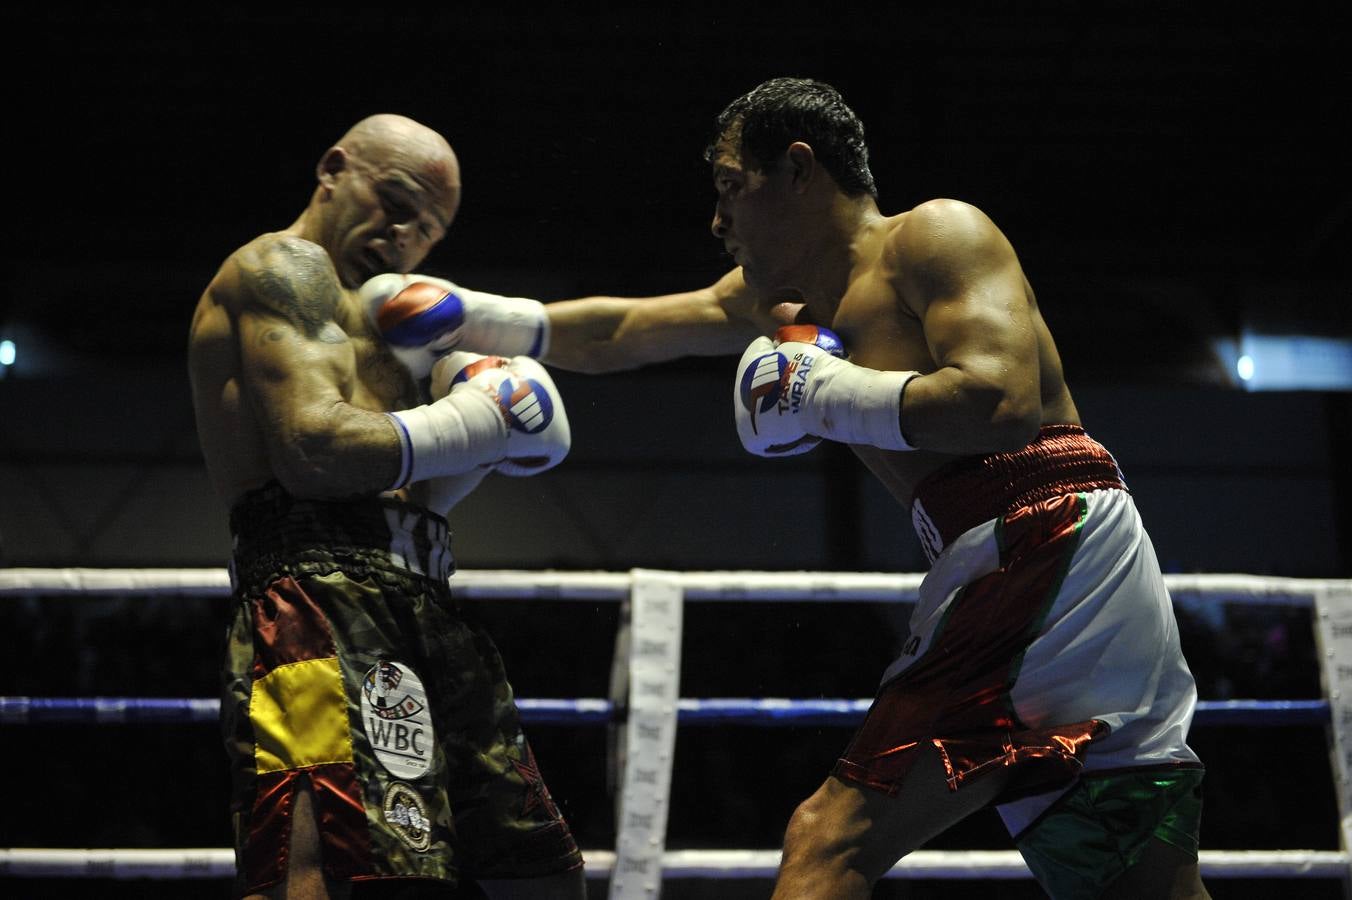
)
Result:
{"points": [[753, 216], [389, 216]]}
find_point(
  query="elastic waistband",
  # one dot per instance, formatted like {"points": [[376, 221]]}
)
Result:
{"points": [[275, 532], [966, 492]]}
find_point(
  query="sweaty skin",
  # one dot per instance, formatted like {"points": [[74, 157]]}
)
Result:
{"points": [[289, 380], [937, 290], [281, 355], [901, 310]]}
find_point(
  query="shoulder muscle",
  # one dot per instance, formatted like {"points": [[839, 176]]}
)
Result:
{"points": [[292, 278], [942, 247]]}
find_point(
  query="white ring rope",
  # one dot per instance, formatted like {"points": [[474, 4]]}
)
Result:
{"points": [[934, 864], [1259, 590], [695, 586]]}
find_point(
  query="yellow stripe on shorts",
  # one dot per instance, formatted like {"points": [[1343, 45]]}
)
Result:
{"points": [[299, 716]]}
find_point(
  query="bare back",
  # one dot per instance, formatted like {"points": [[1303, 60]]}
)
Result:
{"points": [[277, 345], [883, 330]]}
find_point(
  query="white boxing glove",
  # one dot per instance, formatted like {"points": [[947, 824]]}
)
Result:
{"points": [[797, 389], [505, 414], [442, 493], [538, 435], [423, 318]]}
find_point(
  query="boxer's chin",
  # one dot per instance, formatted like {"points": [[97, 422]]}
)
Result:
{"points": [[787, 312]]}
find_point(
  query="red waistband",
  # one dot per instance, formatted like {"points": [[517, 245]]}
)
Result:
{"points": [[966, 492]]}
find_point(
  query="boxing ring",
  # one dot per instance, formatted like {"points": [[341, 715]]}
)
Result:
{"points": [[647, 708]]}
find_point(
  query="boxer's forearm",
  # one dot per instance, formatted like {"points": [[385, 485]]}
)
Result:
{"points": [[605, 334], [956, 411], [590, 335], [342, 451]]}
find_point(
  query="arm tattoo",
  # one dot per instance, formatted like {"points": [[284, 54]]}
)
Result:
{"points": [[294, 279]]}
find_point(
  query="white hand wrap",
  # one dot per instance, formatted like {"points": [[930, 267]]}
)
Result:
{"points": [[456, 434], [858, 405]]}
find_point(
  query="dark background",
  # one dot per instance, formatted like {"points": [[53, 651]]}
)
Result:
{"points": [[1171, 175]]}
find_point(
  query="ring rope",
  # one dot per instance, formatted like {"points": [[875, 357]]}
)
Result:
{"points": [[766, 711], [195, 863], [700, 586], [1332, 600]]}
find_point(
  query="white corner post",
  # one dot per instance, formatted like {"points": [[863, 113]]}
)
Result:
{"points": [[650, 734], [1333, 634]]}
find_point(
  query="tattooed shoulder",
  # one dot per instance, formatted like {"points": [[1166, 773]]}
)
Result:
{"points": [[294, 279]]}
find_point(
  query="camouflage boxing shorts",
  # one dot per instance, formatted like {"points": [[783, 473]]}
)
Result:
{"points": [[350, 670]]}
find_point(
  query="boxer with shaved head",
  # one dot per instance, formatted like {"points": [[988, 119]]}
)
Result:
{"points": [[374, 745]]}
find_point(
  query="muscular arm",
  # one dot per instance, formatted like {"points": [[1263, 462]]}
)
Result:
{"points": [[959, 275], [298, 371], [604, 334]]}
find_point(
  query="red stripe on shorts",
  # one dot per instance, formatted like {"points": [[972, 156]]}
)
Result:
{"points": [[968, 491], [338, 809], [289, 627], [957, 696]]}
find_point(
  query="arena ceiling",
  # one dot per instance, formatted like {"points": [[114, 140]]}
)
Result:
{"points": [[1171, 175]]}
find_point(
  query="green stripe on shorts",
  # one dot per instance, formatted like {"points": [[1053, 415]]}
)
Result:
{"points": [[1100, 827]]}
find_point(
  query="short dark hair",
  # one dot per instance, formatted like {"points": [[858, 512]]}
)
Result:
{"points": [[780, 111]]}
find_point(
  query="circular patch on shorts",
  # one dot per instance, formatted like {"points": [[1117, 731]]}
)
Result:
{"points": [[397, 720], [406, 814]]}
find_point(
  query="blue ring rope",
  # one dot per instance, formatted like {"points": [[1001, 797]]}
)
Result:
{"points": [[691, 711]]}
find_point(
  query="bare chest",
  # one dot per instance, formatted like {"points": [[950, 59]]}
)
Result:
{"points": [[379, 382], [880, 333], [877, 330]]}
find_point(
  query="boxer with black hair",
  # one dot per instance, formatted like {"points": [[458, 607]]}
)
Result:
{"points": [[1043, 674]]}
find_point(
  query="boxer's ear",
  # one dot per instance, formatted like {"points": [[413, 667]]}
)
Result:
{"points": [[333, 161], [802, 163]]}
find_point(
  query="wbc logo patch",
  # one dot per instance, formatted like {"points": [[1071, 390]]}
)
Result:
{"points": [[397, 720]]}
